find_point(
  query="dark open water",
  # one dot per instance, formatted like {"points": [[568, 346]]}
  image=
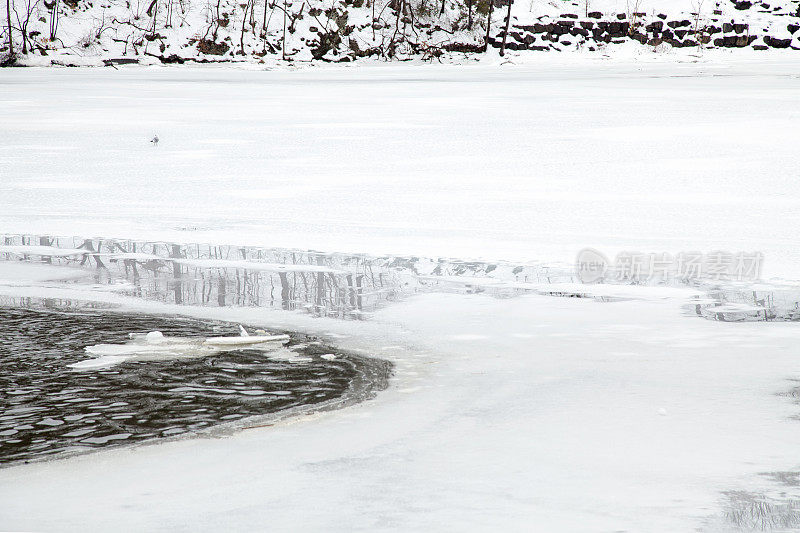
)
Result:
{"points": [[47, 408]]}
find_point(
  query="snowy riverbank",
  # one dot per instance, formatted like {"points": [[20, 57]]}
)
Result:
{"points": [[80, 33]]}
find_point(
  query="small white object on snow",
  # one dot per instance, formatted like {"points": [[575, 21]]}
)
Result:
{"points": [[154, 140]]}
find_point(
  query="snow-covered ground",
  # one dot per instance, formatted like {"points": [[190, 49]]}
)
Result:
{"points": [[529, 413], [517, 162]]}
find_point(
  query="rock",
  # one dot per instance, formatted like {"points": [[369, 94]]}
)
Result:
{"points": [[618, 29], [740, 28], [680, 33], [793, 28], [760, 47], [743, 5], [727, 27], [662, 16], [172, 58], [121, 61], [621, 16], [464, 47], [595, 15], [774, 42], [587, 24], [206, 46], [655, 26]]}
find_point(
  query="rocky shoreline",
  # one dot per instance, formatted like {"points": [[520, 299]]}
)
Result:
{"points": [[570, 30], [175, 32]]}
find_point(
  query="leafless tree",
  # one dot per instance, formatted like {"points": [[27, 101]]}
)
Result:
{"points": [[29, 7], [10, 36], [53, 7], [244, 23], [505, 31], [488, 25], [283, 42]]}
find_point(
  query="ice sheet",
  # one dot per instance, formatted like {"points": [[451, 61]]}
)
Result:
{"points": [[576, 415], [519, 162]]}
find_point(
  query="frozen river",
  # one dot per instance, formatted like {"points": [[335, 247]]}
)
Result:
{"points": [[525, 162], [522, 414]]}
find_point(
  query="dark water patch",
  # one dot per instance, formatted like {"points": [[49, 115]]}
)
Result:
{"points": [[47, 408]]}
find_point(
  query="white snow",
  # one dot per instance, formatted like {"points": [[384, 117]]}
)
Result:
{"points": [[523, 162], [14, 273], [44, 251], [154, 346]]}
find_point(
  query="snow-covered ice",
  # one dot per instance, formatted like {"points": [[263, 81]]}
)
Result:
{"points": [[526, 413], [519, 162]]}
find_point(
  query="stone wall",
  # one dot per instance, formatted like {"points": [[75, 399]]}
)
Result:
{"points": [[596, 29]]}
